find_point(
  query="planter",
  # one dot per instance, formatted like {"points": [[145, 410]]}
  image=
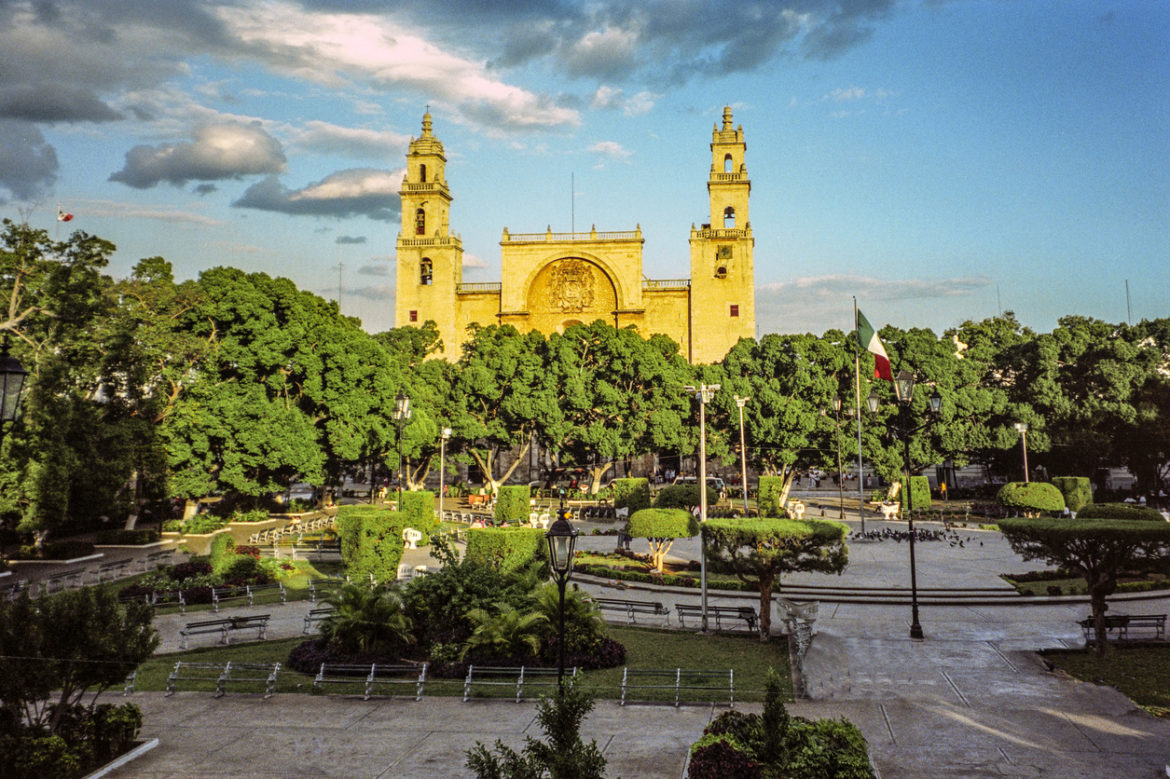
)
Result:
{"points": [[122, 760], [197, 543]]}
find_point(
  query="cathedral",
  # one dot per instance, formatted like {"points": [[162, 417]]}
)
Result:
{"points": [[551, 281]]}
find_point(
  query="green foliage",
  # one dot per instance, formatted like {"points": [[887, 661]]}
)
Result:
{"points": [[505, 632], [1030, 496], [512, 503], [827, 749], [506, 548], [919, 493], [683, 496], [418, 506], [771, 488], [775, 721], [370, 539], [633, 494], [126, 537], [584, 627], [562, 756], [222, 553], [1126, 511], [1077, 491], [663, 523], [367, 620], [254, 515]]}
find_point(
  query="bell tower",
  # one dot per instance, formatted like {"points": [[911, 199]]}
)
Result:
{"points": [[429, 256], [723, 307]]}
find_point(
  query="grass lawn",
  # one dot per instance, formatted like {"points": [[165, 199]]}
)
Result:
{"points": [[1142, 672], [645, 648]]}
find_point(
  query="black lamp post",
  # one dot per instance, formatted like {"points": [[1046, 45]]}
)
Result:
{"points": [[401, 416], [12, 376], [903, 429], [840, 470], [562, 542]]}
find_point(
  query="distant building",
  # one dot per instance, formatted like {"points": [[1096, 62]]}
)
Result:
{"points": [[550, 281]]}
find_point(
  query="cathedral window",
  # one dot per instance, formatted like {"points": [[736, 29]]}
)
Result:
{"points": [[735, 309], [729, 218], [420, 222], [413, 315], [727, 164], [425, 272], [422, 172]]}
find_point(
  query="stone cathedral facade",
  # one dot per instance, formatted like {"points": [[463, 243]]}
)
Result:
{"points": [[550, 281]]}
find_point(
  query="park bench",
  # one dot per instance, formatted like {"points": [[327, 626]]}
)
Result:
{"points": [[632, 607], [248, 592], [168, 598], [57, 582], [155, 559], [719, 614], [225, 627], [320, 588], [314, 616], [648, 685], [1120, 625], [512, 676], [109, 571], [265, 592], [373, 675], [223, 674]]}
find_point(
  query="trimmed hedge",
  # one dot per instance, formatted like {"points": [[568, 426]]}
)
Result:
{"points": [[663, 523], [919, 493], [371, 541], [1120, 511], [1077, 490], [633, 494], [222, 553], [419, 507], [506, 548], [513, 502], [683, 496], [768, 498], [1030, 496]]}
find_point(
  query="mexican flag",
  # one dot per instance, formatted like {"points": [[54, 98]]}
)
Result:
{"points": [[868, 338]]}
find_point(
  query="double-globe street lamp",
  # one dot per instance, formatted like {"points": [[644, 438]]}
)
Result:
{"points": [[444, 437], [704, 393], [740, 403], [562, 543], [401, 417], [840, 472], [1022, 428], [903, 428]]}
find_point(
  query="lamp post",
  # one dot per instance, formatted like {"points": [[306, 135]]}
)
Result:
{"points": [[562, 541], [444, 437], [704, 393], [12, 376], [401, 415], [904, 387], [840, 471], [1023, 428], [740, 403]]}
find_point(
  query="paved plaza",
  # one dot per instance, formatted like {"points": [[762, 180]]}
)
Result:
{"points": [[972, 700]]}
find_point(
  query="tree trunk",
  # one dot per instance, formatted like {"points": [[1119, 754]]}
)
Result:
{"points": [[598, 473], [132, 517], [766, 581], [190, 507], [1099, 588]]}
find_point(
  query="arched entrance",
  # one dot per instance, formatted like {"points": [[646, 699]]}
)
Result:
{"points": [[568, 291]]}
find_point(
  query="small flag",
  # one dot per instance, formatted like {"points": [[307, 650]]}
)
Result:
{"points": [[868, 338], [63, 216]]}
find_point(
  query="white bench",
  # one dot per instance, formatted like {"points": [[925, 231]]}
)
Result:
{"points": [[411, 537], [677, 681]]}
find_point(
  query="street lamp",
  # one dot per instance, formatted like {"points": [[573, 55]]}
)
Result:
{"points": [[12, 376], [444, 437], [740, 403], [401, 415], [840, 473], [1023, 428], [902, 428], [562, 541], [704, 393]]}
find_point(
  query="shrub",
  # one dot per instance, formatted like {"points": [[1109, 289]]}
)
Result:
{"points": [[1077, 490], [1120, 511], [827, 749], [633, 494], [718, 756], [513, 503], [202, 524], [919, 493], [379, 547], [771, 487], [367, 620], [128, 537], [255, 515], [245, 569], [1030, 497], [683, 496], [506, 548], [222, 552], [66, 550], [418, 506]]}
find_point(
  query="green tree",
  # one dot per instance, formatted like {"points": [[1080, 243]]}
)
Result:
{"points": [[660, 528], [367, 620], [761, 551]]}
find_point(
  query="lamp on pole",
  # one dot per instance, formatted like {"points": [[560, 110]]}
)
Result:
{"points": [[840, 470], [562, 541], [704, 393], [401, 415], [903, 429], [444, 437], [1023, 428], [12, 376], [740, 403]]}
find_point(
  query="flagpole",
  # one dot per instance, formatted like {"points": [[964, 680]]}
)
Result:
{"points": [[857, 398]]}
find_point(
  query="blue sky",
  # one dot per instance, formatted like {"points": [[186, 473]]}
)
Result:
{"points": [[939, 160]]}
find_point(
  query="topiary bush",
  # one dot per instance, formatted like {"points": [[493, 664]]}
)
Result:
{"points": [[771, 488], [683, 496], [222, 552], [1120, 511], [1033, 498], [1077, 490], [720, 755], [919, 493], [633, 494], [506, 548], [513, 503], [660, 527], [419, 508]]}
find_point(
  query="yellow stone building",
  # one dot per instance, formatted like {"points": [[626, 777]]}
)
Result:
{"points": [[550, 281]]}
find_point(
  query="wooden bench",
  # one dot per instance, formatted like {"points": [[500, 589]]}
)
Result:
{"points": [[372, 676], [155, 559], [319, 588], [512, 676], [1120, 625], [314, 616], [677, 680], [223, 674], [632, 607], [719, 614], [57, 582], [225, 627], [109, 571]]}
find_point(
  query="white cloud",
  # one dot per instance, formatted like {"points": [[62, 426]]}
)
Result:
{"points": [[611, 149], [119, 210], [357, 142], [364, 191], [845, 94], [473, 261], [218, 151]]}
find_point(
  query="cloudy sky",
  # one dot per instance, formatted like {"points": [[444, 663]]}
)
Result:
{"points": [[938, 160]]}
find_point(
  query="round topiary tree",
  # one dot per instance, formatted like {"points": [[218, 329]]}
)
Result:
{"points": [[1031, 498], [1077, 491], [661, 527]]}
